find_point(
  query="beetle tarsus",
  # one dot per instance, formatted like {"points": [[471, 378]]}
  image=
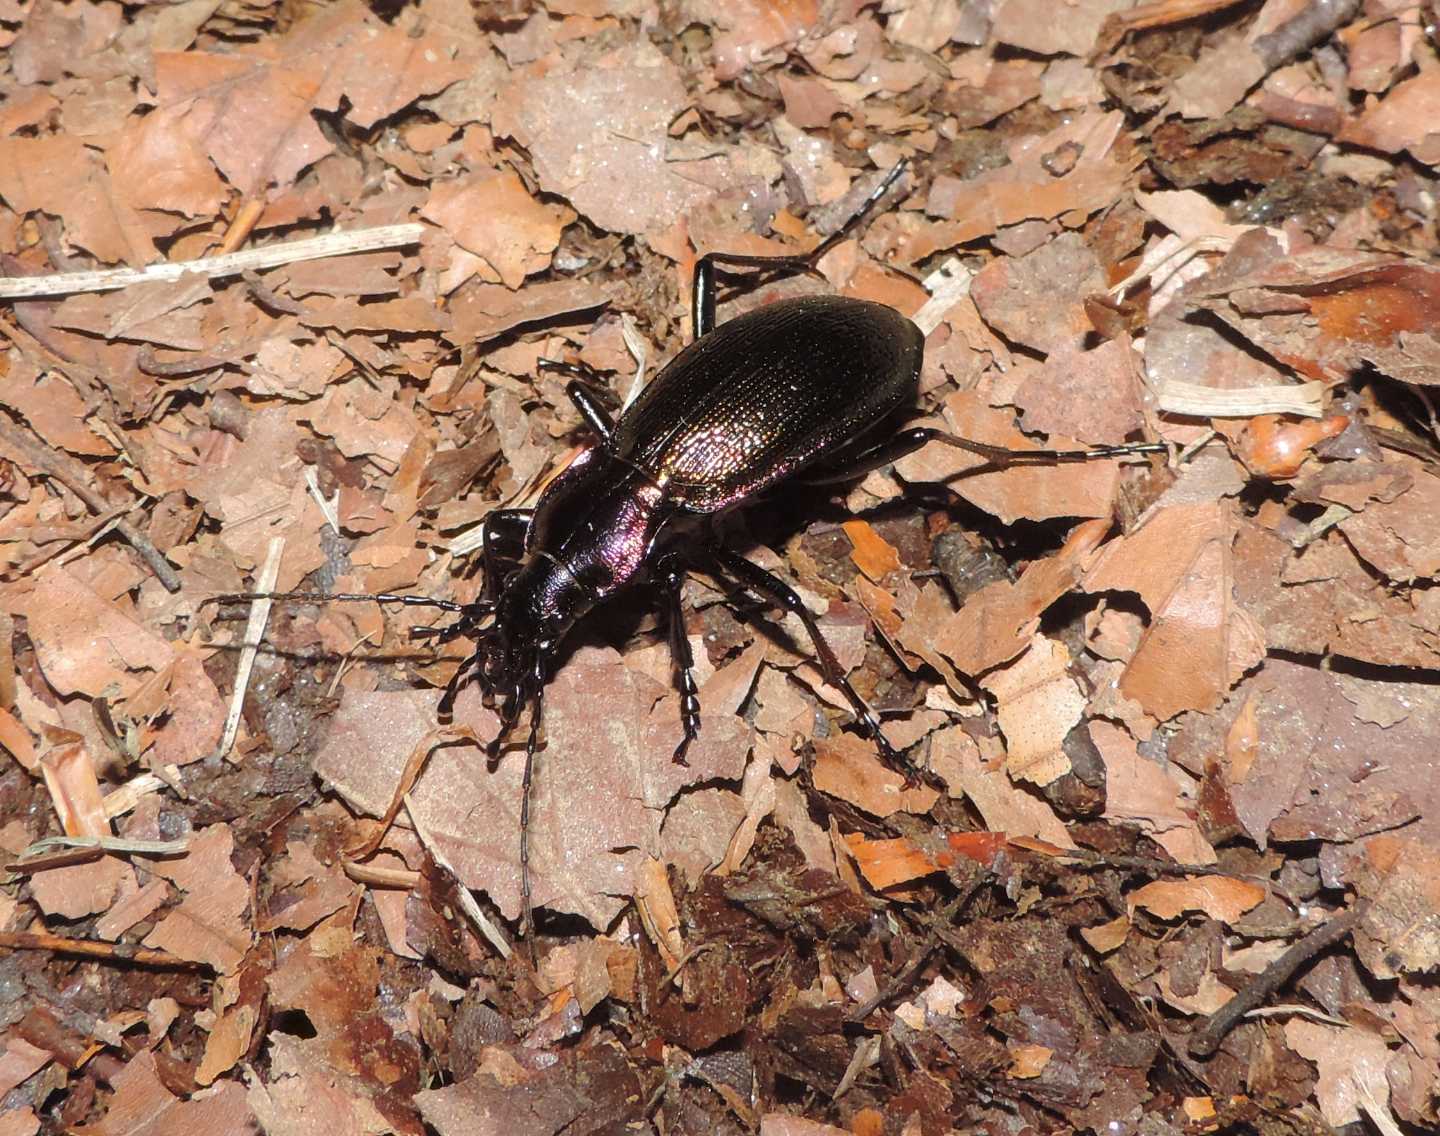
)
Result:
{"points": [[757, 579]]}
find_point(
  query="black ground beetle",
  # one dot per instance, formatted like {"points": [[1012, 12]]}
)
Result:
{"points": [[797, 389]]}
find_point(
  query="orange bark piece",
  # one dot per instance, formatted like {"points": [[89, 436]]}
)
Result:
{"points": [[885, 863], [872, 553], [846, 767]]}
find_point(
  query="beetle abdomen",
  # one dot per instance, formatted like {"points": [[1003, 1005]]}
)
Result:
{"points": [[766, 394]]}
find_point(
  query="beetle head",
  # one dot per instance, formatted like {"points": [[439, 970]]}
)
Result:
{"points": [[513, 654]]}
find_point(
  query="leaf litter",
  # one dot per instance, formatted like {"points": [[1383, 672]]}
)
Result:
{"points": [[1171, 720]]}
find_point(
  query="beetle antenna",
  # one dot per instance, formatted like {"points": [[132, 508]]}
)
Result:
{"points": [[340, 597], [527, 908]]}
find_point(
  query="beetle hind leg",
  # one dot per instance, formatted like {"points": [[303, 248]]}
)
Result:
{"points": [[683, 660], [757, 579], [998, 457]]}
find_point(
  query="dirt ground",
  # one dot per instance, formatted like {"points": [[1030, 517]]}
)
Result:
{"points": [[276, 281]]}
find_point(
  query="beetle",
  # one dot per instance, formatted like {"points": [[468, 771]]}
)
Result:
{"points": [[798, 389]]}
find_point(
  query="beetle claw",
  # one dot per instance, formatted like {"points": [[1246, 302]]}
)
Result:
{"points": [[691, 733]]}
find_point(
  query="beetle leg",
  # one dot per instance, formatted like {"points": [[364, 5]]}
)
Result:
{"points": [[673, 579], [595, 415], [759, 580], [908, 441], [504, 540], [587, 390], [702, 294]]}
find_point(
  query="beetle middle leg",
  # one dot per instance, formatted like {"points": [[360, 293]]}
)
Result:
{"points": [[757, 579], [589, 394], [702, 294]]}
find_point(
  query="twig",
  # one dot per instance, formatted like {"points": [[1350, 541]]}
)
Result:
{"points": [[254, 629], [1312, 24], [76, 478], [1205, 1042], [232, 264], [91, 948], [903, 981], [81, 849], [402, 879]]}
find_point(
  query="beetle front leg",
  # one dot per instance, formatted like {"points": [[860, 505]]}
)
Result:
{"points": [[504, 541], [673, 580], [757, 579]]}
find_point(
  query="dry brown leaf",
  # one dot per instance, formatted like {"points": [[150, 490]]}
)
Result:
{"points": [[1007, 808], [74, 788], [697, 831], [1352, 1063], [615, 175], [1400, 932], [999, 621], [1139, 791], [227, 1043], [19, 1122], [1038, 703], [1035, 492], [304, 891], [1029, 1060], [1093, 396], [1199, 642], [85, 643], [1403, 120], [784, 1124], [51, 408], [1327, 311], [1036, 28], [871, 552], [59, 175], [1220, 897], [496, 219], [885, 863], [209, 926], [143, 1105], [1107, 936], [1039, 299], [656, 903], [597, 793], [19, 1061], [157, 162], [1025, 189]]}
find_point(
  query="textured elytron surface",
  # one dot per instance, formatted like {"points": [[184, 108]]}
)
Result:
{"points": [[765, 393]]}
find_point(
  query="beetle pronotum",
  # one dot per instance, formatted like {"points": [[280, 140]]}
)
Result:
{"points": [[796, 389]]}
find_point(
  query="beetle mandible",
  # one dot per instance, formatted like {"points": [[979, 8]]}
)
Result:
{"points": [[798, 389]]}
